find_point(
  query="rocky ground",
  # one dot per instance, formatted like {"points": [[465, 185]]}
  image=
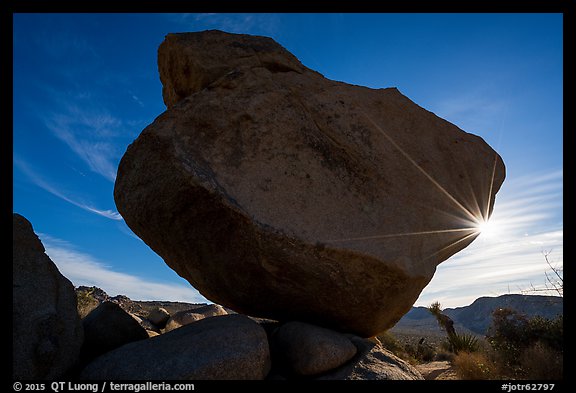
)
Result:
{"points": [[437, 370]]}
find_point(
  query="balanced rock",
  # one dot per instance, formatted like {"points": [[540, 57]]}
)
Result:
{"points": [[108, 327], [46, 328], [224, 347], [309, 349], [185, 317], [281, 194]]}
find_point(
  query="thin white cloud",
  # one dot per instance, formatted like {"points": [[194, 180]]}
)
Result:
{"points": [[127, 231], [83, 269], [89, 135], [469, 105], [477, 109], [42, 183], [527, 217], [138, 101]]}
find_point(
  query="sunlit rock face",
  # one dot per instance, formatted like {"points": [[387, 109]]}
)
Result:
{"points": [[279, 193]]}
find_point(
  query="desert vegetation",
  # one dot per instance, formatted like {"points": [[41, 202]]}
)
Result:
{"points": [[515, 347]]}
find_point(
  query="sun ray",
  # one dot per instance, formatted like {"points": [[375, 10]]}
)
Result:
{"points": [[375, 237], [475, 232], [486, 216], [428, 176]]}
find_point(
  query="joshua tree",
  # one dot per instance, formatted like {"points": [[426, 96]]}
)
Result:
{"points": [[456, 342], [444, 321]]}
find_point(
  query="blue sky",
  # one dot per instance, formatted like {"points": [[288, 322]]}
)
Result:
{"points": [[85, 85]]}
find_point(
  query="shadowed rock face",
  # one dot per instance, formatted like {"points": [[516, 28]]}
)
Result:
{"points": [[230, 347], [46, 330], [281, 194]]}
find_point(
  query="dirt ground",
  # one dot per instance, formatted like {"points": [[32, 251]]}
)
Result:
{"points": [[440, 370]]}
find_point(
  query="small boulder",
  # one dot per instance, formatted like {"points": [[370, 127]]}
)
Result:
{"points": [[108, 327], [308, 349], [185, 317], [159, 316], [144, 322], [373, 362], [46, 328], [230, 347]]}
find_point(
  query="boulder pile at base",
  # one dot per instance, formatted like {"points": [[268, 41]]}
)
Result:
{"points": [[110, 343]]}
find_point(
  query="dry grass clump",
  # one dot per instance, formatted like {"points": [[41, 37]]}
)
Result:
{"points": [[474, 366], [539, 361]]}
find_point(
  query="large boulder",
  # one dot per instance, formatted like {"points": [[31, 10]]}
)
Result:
{"points": [[46, 328], [108, 327], [224, 347], [282, 194]]}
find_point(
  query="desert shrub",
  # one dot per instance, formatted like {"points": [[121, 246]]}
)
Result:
{"points": [[549, 332], [421, 352], [540, 361], [474, 366], [456, 343], [462, 343], [526, 346], [85, 302], [390, 343], [425, 353], [444, 355], [411, 351]]}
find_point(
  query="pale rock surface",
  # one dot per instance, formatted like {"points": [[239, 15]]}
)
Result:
{"points": [[373, 362], [281, 194], [185, 317]]}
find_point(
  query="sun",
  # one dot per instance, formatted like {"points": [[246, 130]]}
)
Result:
{"points": [[488, 228]]}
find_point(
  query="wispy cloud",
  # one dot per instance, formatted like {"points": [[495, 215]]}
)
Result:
{"points": [[45, 185], [480, 109], [83, 269], [526, 225], [137, 99], [89, 135]]}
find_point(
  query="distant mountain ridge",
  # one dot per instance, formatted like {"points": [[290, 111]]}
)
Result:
{"points": [[476, 317], [472, 319]]}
